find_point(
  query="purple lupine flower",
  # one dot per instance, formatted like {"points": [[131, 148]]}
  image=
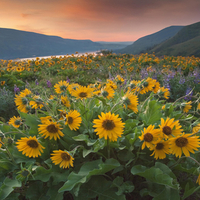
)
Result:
{"points": [[144, 73], [16, 89], [68, 80], [49, 84], [182, 80], [36, 82], [188, 90]]}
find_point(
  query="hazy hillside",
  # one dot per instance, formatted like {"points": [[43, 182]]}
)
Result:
{"points": [[149, 41], [185, 43], [22, 44], [114, 45]]}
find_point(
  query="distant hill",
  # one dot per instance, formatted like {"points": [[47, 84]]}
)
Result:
{"points": [[23, 44], [114, 45], [185, 43], [149, 41]]}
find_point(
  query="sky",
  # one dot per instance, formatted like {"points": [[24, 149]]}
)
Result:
{"points": [[97, 20]]}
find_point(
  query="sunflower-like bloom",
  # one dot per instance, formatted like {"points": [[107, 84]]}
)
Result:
{"points": [[133, 85], [184, 144], [149, 136], [187, 107], [131, 101], [30, 146], [119, 79], [63, 158], [22, 101], [107, 92], [160, 149], [61, 87], [50, 129], [73, 119], [111, 84], [38, 103], [83, 92], [108, 126], [156, 86], [15, 121], [147, 86], [196, 128], [72, 87], [198, 106], [170, 128], [65, 101], [0, 142], [164, 92]]}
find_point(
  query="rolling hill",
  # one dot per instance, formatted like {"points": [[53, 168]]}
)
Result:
{"points": [[22, 44], [149, 41], [185, 43]]}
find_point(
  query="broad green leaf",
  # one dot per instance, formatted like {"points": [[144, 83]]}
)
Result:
{"points": [[99, 187], [168, 194], [155, 175], [96, 167], [189, 191]]}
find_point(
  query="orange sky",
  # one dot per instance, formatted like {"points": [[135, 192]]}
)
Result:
{"points": [[97, 20]]}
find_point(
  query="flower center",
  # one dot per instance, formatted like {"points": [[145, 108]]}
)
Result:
{"points": [[24, 100], [25, 173], [105, 93], [146, 84], [17, 122], [148, 137], [32, 144], [63, 87], [181, 142], [70, 120], [65, 156], [52, 128], [127, 101], [83, 94], [108, 124], [159, 146], [167, 130]]}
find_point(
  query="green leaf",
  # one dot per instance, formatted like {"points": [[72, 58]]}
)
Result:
{"points": [[152, 113], [42, 174], [8, 186], [89, 169], [168, 194], [189, 191], [155, 175], [99, 187]]}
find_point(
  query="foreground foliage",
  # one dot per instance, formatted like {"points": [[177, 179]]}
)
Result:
{"points": [[114, 139]]}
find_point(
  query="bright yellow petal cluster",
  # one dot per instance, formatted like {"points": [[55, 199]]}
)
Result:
{"points": [[73, 119]]}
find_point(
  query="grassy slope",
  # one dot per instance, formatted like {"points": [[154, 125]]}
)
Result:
{"points": [[149, 41], [185, 43]]}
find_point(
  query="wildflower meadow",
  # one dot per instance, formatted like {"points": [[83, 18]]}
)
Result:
{"points": [[106, 126]]}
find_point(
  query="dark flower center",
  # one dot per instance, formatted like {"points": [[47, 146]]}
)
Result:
{"points": [[17, 122], [52, 128], [181, 142], [146, 84], [70, 120], [83, 94], [63, 87], [148, 137], [108, 124], [159, 146], [24, 100], [127, 101], [167, 130], [32, 144], [105, 93], [65, 156]]}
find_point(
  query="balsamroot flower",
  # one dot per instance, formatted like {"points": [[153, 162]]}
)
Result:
{"points": [[108, 126], [30, 146]]}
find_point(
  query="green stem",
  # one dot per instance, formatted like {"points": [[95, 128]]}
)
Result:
{"points": [[10, 155], [108, 147]]}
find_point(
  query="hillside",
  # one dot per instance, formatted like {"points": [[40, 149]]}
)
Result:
{"points": [[22, 44], [149, 41], [185, 43]]}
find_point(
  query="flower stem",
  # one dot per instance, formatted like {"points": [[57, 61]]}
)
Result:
{"points": [[108, 147], [10, 155]]}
